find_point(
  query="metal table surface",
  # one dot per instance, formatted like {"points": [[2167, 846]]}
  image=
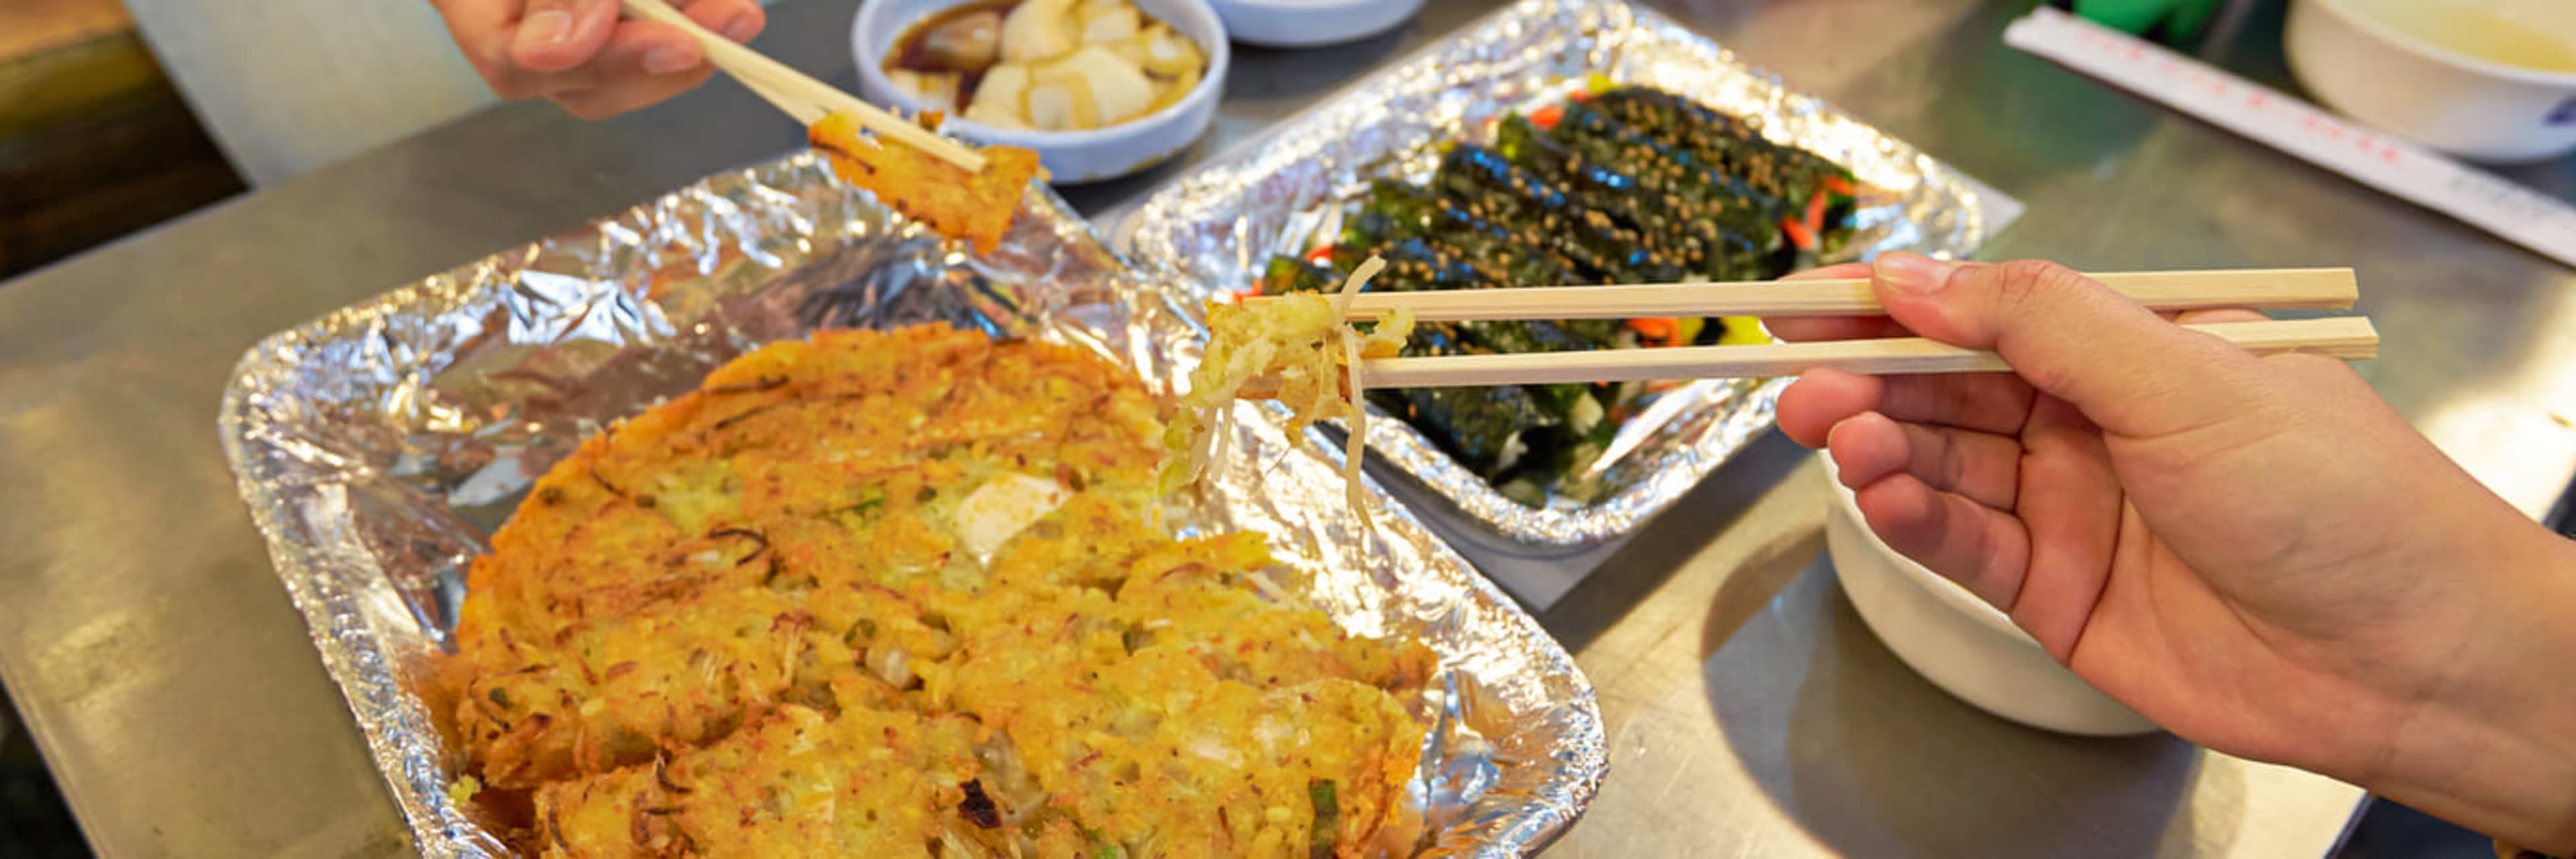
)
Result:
{"points": [[175, 693]]}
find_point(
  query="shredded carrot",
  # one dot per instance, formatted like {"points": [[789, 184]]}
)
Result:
{"points": [[1815, 222], [1250, 292], [1798, 234], [1547, 117], [1840, 185], [1657, 328], [1321, 256]]}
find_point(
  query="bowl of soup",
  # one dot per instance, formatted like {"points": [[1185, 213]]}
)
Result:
{"points": [[1098, 88], [2490, 80]]}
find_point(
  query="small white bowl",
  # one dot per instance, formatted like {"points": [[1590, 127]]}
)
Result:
{"points": [[1311, 23], [1966, 647], [1070, 157], [2432, 95]]}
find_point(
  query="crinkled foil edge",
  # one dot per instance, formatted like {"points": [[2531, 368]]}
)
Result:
{"points": [[1219, 223], [366, 441]]}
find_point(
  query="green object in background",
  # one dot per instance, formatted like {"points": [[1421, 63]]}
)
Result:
{"points": [[2181, 19]]}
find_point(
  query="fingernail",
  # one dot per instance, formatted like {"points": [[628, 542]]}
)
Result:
{"points": [[544, 28], [1914, 273], [741, 28], [669, 59]]}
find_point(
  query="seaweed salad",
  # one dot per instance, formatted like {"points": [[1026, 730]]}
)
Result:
{"points": [[1619, 184]]}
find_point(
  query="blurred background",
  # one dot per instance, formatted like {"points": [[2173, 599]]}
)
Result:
{"points": [[95, 142]]}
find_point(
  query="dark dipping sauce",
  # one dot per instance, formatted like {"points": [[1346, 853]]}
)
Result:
{"points": [[964, 39]]}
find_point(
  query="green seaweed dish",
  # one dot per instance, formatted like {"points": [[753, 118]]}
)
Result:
{"points": [[1619, 184]]}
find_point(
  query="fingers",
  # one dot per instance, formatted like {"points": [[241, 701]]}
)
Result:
{"points": [[643, 49], [1983, 467], [2070, 506], [1984, 402], [1821, 399], [482, 31], [643, 63], [2127, 369], [2224, 315], [1809, 328], [739, 20], [1982, 549], [630, 94], [1837, 271], [559, 35], [581, 55], [1817, 329]]}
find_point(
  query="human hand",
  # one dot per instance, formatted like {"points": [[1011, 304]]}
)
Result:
{"points": [[580, 55], [2257, 553]]}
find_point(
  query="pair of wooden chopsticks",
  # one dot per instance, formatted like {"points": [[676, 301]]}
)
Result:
{"points": [[2348, 337], [800, 96]]}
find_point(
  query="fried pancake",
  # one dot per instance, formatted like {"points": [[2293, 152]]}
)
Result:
{"points": [[975, 207], [899, 594]]}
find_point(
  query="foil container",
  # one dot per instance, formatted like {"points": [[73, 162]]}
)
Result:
{"points": [[1288, 191], [378, 446]]}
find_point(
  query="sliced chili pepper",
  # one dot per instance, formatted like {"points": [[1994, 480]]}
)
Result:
{"points": [[1547, 117], [1321, 256], [1658, 328], [1798, 234]]}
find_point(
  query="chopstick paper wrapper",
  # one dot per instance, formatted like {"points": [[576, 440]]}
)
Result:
{"points": [[2410, 172]]}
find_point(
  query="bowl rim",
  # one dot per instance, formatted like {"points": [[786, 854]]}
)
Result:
{"points": [[1948, 592], [2422, 47], [1219, 57]]}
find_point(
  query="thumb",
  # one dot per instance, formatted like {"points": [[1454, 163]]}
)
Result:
{"points": [[2130, 371], [558, 35]]}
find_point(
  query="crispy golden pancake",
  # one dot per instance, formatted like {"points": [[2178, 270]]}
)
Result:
{"points": [[898, 594], [976, 207]]}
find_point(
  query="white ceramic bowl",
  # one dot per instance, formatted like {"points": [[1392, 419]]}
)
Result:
{"points": [[1309, 23], [1966, 647], [1070, 157], [2412, 87]]}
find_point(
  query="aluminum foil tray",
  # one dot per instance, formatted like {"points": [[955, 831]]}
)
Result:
{"points": [[1288, 190], [379, 445]]}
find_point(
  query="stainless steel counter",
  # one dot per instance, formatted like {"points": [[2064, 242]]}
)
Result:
{"points": [[176, 695]]}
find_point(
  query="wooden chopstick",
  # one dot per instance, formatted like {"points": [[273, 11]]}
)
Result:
{"points": [[2306, 288], [2347, 337], [800, 96]]}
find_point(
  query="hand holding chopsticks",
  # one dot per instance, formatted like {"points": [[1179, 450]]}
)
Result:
{"points": [[2340, 337], [799, 95]]}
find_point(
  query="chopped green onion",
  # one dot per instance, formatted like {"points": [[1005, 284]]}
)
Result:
{"points": [[1328, 819]]}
